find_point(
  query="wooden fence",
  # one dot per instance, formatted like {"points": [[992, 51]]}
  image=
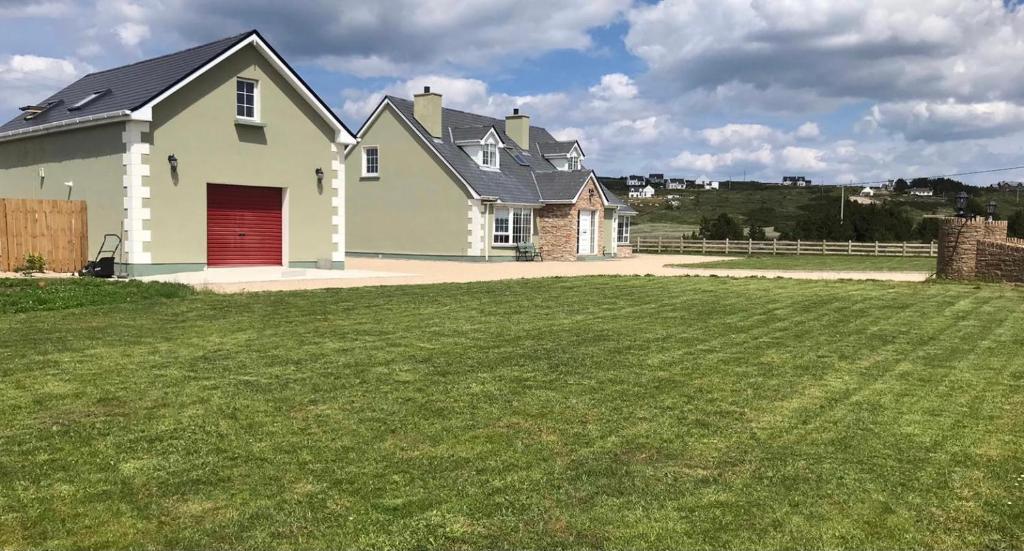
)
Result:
{"points": [[56, 230], [681, 245]]}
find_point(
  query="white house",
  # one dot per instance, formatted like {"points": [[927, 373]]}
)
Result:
{"points": [[645, 192], [921, 191], [867, 192]]}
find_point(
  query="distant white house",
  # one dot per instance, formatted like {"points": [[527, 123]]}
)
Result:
{"points": [[673, 183], [921, 191], [798, 181], [867, 192], [636, 181], [645, 192], [705, 184]]}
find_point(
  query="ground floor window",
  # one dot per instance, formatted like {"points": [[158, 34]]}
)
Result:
{"points": [[512, 225], [622, 231]]}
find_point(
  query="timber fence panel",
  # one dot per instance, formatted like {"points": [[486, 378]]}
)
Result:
{"points": [[54, 229]]}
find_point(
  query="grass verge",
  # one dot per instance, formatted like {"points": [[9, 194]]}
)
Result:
{"points": [[35, 294]]}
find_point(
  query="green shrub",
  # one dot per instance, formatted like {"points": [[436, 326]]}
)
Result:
{"points": [[34, 264]]}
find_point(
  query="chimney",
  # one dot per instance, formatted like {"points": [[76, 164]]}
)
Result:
{"points": [[517, 127], [427, 110]]}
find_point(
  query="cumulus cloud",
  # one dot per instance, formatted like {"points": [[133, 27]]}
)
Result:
{"points": [[467, 94], [878, 49], [397, 38], [131, 33], [615, 86], [946, 121], [28, 79]]}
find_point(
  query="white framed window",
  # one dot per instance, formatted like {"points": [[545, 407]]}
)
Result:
{"points": [[371, 160], [490, 155], [574, 162], [622, 229], [512, 225], [247, 99]]}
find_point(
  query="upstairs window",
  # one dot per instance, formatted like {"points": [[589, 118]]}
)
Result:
{"points": [[490, 155], [574, 162], [247, 99], [371, 160]]}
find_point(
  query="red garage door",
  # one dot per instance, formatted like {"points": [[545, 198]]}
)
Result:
{"points": [[243, 225]]}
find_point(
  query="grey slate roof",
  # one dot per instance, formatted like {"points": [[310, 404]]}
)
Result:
{"points": [[534, 183], [475, 133], [131, 86], [555, 148]]}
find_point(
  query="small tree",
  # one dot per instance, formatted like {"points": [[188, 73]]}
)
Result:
{"points": [[1016, 224], [721, 227], [757, 233]]}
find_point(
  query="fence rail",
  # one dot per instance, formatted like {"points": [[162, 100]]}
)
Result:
{"points": [[56, 230], [681, 245]]}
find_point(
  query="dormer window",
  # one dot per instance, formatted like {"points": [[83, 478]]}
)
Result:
{"points": [[573, 162], [490, 155], [481, 143]]}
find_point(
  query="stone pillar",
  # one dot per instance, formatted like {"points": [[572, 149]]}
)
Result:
{"points": [[958, 245]]}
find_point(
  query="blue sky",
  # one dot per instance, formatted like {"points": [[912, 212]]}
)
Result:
{"points": [[837, 91]]}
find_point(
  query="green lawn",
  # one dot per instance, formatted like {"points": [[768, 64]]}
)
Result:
{"points": [[606, 412], [831, 263]]}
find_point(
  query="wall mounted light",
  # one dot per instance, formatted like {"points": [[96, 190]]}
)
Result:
{"points": [[961, 204], [173, 161], [319, 175]]}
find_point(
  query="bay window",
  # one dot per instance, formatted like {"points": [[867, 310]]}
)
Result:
{"points": [[512, 225], [622, 231]]}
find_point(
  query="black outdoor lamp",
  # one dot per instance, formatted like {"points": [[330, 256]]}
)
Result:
{"points": [[319, 176], [173, 161], [961, 204], [991, 210]]}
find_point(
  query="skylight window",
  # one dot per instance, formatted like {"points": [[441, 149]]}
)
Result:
{"points": [[519, 157], [88, 99]]}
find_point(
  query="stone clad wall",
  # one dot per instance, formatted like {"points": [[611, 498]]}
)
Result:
{"points": [[958, 245], [624, 251], [557, 225], [1001, 260]]}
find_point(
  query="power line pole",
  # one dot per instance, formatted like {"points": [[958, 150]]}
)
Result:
{"points": [[842, 203]]}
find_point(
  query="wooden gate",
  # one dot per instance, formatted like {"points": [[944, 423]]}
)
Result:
{"points": [[56, 230]]}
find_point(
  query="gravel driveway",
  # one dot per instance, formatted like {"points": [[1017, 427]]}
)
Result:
{"points": [[415, 272]]}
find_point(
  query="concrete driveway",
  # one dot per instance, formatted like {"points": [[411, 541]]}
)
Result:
{"points": [[362, 272]]}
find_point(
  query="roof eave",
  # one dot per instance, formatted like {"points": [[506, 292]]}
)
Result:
{"points": [[70, 124]]}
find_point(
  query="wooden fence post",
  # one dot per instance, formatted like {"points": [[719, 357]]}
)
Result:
{"points": [[876, 248], [849, 247], [904, 248], [775, 247], [704, 245], [750, 247], [798, 247], [681, 244], [824, 248], [726, 245], [5, 244], [659, 243]]}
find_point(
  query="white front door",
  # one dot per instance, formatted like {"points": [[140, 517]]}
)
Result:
{"points": [[586, 233]]}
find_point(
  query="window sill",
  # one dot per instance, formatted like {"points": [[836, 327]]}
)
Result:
{"points": [[503, 245], [250, 122], [370, 177]]}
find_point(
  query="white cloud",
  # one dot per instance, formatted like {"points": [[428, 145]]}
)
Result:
{"points": [[615, 86], [467, 94], [131, 34], [715, 163], [397, 38], [28, 79], [946, 121], [803, 158], [807, 131], [878, 49]]}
